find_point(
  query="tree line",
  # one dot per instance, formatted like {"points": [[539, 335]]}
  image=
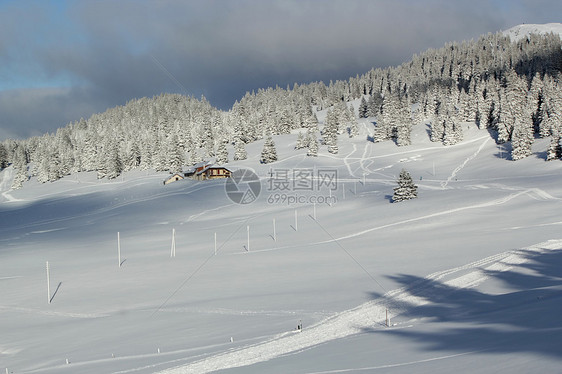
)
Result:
{"points": [[511, 88]]}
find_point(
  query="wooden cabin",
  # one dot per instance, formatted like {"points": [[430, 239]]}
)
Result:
{"points": [[212, 172], [174, 178]]}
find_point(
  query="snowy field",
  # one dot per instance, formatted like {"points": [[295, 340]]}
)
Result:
{"points": [[469, 273]]}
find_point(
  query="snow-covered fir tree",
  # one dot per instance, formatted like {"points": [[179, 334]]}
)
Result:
{"points": [[554, 151], [363, 108], [222, 153], [239, 150], [20, 167], [352, 128], [406, 188], [330, 131], [312, 143], [268, 153], [301, 141], [521, 140], [3, 156]]}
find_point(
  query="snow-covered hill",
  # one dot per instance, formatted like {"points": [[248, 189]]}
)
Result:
{"points": [[519, 32], [469, 271]]}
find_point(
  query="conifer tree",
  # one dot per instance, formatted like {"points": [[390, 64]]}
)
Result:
{"points": [[301, 142], [312, 143], [404, 123], [175, 155], [381, 131], [3, 156], [363, 108], [113, 163], [239, 150], [554, 151], [222, 153], [20, 167], [330, 132], [268, 153], [406, 189], [521, 140]]}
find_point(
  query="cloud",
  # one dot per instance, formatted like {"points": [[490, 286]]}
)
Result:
{"points": [[98, 54], [32, 112]]}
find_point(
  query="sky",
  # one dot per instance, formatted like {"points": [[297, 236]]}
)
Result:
{"points": [[63, 60]]}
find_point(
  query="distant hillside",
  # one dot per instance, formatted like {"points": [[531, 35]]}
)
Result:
{"points": [[511, 87]]}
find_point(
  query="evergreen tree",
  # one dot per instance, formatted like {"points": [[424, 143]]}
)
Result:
{"points": [[20, 167], [554, 151], [222, 154], [330, 131], [374, 104], [268, 153], [521, 140], [352, 129], [301, 142], [406, 189], [175, 155], [363, 108], [239, 150], [381, 131], [312, 143], [404, 123], [3, 156], [113, 163]]}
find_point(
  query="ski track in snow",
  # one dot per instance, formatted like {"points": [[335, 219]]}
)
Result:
{"points": [[369, 315], [461, 166], [354, 370], [21, 310], [530, 192], [534, 193]]}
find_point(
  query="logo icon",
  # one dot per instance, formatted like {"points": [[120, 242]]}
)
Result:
{"points": [[243, 186]]}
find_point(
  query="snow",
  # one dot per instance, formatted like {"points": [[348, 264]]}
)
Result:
{"points": [[468, 271], [519, 32]]}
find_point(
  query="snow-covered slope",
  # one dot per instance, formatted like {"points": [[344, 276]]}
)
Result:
{"points": [[519, 32], [469, 271]]}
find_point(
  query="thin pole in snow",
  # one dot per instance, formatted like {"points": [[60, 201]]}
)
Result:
{"points": [[387, 319], [296, 221], [119, 248], [274, 231], [355, 187], [173, 248], [48, 284], [364, 180], [215, 243], [248, 246], [343, 186]]}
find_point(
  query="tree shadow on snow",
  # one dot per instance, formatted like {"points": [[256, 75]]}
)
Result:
{"points": [[525, 318]]}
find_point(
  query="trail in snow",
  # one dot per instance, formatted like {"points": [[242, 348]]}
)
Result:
{"points": [[369, 315], [535, 193], [346, 162], [355, 370], [461, 166], [500, 201], [20, 310]]}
